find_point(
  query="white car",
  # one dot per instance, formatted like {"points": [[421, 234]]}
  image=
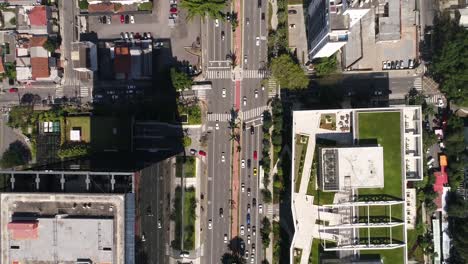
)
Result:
{"points": [[243, 164], [132, 19], [216, 22], [252, 259], [245, 101], [159, 224], [256, 93], [242, 230], [260, 209], [223, 93], [245, 59], [210, 224], [248, 208], [247, 254], [248, 239], [217, 125], [243, 187], [225, 239], [222, 157], [257, 41]]}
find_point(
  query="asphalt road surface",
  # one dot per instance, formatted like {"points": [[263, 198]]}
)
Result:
{"points": [[218, 193], [154, 206]]}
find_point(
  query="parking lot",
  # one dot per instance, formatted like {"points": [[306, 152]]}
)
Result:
{"points": [[181, 35]]}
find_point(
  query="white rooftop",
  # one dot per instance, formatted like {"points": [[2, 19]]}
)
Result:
{"points": [[354, 167]]}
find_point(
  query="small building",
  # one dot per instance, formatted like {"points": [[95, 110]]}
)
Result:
{"points": [[33, 20], [84, 56]]}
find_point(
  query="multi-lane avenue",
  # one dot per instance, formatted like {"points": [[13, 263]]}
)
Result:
{"points": [[250, 100]]}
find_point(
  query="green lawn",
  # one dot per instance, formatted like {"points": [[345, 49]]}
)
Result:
{"points": [[189, 205], [299, 159], [390, 256], [81, 122], [385, 128], [189, 167], [397, 212], [110, 133], [317, 250]]}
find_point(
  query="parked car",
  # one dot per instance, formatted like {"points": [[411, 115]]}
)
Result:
{"points": [[109, 20], [127, 19], [202, 153], [173, 10], [260, 209], [13, 90], [122, 19], [132, 19], [193, 151], [411, 63], [292, 11]]}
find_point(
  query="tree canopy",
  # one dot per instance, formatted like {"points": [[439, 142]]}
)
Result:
{"points": [[325, 66], [73, 149], [450, 59], [180, 80], [288, 72], [211, 8], [16, 154]]}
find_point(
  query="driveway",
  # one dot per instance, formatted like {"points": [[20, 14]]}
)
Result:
{"points": [[184, 34]]}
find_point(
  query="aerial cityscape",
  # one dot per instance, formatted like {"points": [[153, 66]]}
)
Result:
{"points": [[233, 131]]}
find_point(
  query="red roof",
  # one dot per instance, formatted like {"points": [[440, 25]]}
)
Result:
{"points": [[441, 179], [122, 60], [37, 41], [104, 7], [40, 67], [24, 230], [38, 16]]}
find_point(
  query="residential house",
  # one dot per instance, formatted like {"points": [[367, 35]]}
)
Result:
{"points": [[33, 20]]}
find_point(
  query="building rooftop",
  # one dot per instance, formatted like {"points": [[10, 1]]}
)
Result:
{"points": [[37, 41], [42, 228], [40, 67], [38, 16], [354, 167]]}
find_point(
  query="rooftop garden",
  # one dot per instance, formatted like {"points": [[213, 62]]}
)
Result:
{"points": [[299, 159], [328, 121], [384, 127]]}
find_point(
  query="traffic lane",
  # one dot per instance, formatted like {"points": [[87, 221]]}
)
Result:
{"points": [[248, 90], [219, 195], [257, 216], [216, 102]]}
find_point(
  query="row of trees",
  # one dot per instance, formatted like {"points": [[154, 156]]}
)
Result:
{"points": [[450, 58]]}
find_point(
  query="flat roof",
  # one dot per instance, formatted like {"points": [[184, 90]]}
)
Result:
{"points": [[67, 239], [354, 167], [69, 227]]}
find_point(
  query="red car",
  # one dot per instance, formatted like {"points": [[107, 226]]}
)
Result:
{"points": [[13, 90], [122, 19], [173, 10], [255, 155], [202, 153]]}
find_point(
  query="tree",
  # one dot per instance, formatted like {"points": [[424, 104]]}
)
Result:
{"points": [[187, 141], [50, 45], [83, 4], [325, 66], [265, 232], [17, 154], [288, 72], [202, 8], [145, 6], [230, 258], [30, 99], [180, 80], [266, 196]]}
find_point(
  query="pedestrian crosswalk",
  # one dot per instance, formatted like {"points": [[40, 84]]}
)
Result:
{"points": [[272, 87], [219, 117], [254, 74], [418, 83], [221, 74], [84, 92], [201, 94], [432, 99], [253, 113]]}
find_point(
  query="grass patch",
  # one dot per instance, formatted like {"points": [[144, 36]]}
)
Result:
{"points": [[299, 159], [193, 113], [189, 205], [385, 127], [390, 256], [316, 251], [188, 167], [83, 123], [415, 251], [295, 2], [147, 6]]}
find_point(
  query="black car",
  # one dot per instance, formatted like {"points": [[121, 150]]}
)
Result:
{"points": [[103, 19], [221, 212], [228, 16], [249, 163], [292, 11], [254, 202], [263, 16], [127, 19], [259, 3], [252, 130], [243, 126]]}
